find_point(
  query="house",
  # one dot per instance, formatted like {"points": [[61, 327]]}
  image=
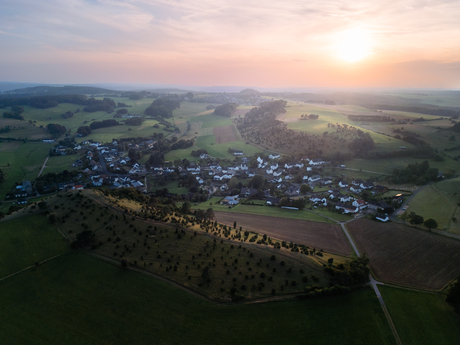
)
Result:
{"points": [[273, 156], [357, 182], [271, 200], [274, 166], [383, 219], [248, 192], [293, 191], [314, 178], [251, 173], [345, 198], [78, 187], [237, 153], [223, 187], [277, 173], [319, 199], [367, 185], [360, 203], [346, 208], [289, 177], [381, 189], [48, 140], [375, 205], [316, 162], [137, 184], [231, 200], [343, 184], [22, 201], [356, 189]]}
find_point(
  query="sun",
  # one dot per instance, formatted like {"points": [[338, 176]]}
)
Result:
{"points": [[353, 45]]}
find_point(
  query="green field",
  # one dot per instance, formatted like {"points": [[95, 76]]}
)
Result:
{"points": [[421, 318], [57, 164], [387, 166], [76, 299], [210, 121], [264, 211], [25, 162], [439, 201], [26, 240]]}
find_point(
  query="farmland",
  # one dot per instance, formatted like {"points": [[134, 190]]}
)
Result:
{"points": [[421, 318], [269, 211], [77, 299], [21, 161], [439, 201], [403, 255], [328, 237], [27, 240]]}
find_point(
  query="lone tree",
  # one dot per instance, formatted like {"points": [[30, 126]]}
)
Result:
{"points": [[124, 262], [453, 296], [430, 223], [415, 219]]}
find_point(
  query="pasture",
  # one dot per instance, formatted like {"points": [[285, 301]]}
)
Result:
{"points": [[210, 121], [402, 255], [57, 164], [267, 211], [421, 318], [328, 237], [77, 299], [21, 161], [439, 201], [27, 240]]}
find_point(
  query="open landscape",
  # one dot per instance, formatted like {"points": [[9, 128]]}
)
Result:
{"points": [[222, 172]]}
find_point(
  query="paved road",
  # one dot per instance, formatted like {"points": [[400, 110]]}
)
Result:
{"points": [[350, 239]]}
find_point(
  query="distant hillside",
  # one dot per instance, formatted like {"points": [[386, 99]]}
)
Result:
{"points": [[56, 90], [248, 91]]}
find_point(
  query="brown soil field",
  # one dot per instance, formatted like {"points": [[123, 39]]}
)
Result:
{"points": [[403, 255], [224, 134], [328, 237]]}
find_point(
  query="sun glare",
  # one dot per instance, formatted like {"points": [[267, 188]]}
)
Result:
{"points": [[353, 46]]}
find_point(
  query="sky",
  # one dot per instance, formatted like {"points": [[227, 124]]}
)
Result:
{"points": [[289, 43]]}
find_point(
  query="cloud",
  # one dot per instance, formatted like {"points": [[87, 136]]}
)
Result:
{"points": [[219, 34]]}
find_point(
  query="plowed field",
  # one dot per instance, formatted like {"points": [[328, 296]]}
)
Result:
{"points": [[225, 134], [328, 237], [402, 255]]}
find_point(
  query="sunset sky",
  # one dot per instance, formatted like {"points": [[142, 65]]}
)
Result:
{"points": [[221, 42]]}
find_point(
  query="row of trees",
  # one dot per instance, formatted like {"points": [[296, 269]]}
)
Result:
{"points": [[56, 129]]}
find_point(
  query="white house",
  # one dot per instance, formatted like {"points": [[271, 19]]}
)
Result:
{"points": [[343, 184], [274, 156], [314, 178]]}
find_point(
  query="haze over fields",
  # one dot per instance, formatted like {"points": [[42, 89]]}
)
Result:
{"points": [[409, 43]]}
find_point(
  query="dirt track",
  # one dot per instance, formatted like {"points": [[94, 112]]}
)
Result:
{"points": [[328, 237]]}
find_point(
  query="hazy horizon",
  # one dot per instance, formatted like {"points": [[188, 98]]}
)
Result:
{"points": [[333, 44]]}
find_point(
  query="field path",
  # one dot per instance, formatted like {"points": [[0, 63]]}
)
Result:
{"points": [[43, 166], [374, 283]]}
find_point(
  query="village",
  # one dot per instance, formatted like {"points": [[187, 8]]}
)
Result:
{"points": [[277, 180]]}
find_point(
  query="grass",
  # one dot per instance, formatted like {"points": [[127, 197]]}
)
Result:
{"points": [[57, 164], [77, 299], [334, 215], [421, 318], [211, 120], [439, 201], [386, 166], [25, 162], [26, 240], [264, 211]]}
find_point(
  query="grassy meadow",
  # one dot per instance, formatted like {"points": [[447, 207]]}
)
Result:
{"points": [[421, 318], [263, 211], [439, 201], [21, 161], [77, 299], [27, 240]]}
